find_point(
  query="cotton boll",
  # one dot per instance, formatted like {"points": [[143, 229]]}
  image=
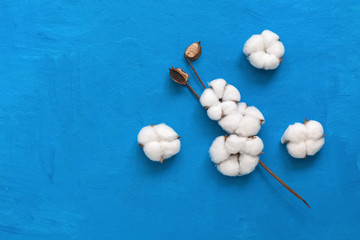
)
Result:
{"points": [[234, 155], [170, 148], [230, 167], [253, 44], [235, 144], [231, 94], [264, 51], [242, 107], [313, 146], [256, 59], [297, 150], [153, 151], [247, 163], [218, 86], [248, 126], [277, 49], [314, 129], [230, 122], [269, 38], [159, 142], [220, 99], [164, 132], [215, 112], [146, 135], [304, 139], [294, 133], [217, 150], [208, 98], [228, 107], [270, 62], [254, 146], [255, 113]]}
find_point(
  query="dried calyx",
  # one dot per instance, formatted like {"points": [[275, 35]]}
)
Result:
{"points": [[178, 75], [181, 77], [193, 51]]}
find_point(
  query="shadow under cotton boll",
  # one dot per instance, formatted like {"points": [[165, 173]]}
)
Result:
{"points": [[150, 167], [297, 164], [223, 180], [257, 75]]}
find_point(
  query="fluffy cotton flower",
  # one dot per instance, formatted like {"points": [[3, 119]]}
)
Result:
{"points": [[159, 142], [221, 101], [245, 121], [235, 155], [264, 50], [304, 139]]}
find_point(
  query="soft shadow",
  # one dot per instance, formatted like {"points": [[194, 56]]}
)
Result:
{"points": [[222, 180], [146, 166], [258, 75], [296, 163]]}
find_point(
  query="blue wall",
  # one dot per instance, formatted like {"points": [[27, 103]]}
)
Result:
{"points": [[79, 79]]}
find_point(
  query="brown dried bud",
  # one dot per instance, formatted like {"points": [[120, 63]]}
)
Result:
{"points": [[178, 75], [193, 51]]}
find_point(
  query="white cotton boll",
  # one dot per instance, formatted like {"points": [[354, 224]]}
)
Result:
{"points": [[242, 107], [269, 38], [304, 139], [254, 146], [247, 164], [313, 146], [235, 144], [277, 49], [215, 112], [218, 86], [297, 149], [153, 151], [164, 132], [217, 150], [265, 51], [234, 155], [228, 107], [270, 62], [248, 126], [231, 94], [314, 129], [146, 135], [170, 148], [230, 167], [294, 133], [230, 122], [253, 44], [208, 98], [255, 113], [159, 142], [256, 59]]}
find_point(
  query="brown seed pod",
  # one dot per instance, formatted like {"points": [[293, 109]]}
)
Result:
{"points": [[193, 51], [178, 75]]}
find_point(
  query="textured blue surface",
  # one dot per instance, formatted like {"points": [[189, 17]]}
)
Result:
{"points": [[79, 79]]}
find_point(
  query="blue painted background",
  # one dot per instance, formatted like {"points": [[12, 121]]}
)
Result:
{"points": [[79, 79]]}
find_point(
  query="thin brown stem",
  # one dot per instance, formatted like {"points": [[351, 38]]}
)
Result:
{"points": [[192, 90], [188, 60], [282, 182]]}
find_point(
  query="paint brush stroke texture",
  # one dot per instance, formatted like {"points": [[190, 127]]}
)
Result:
{"points": [[78, 79]]}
